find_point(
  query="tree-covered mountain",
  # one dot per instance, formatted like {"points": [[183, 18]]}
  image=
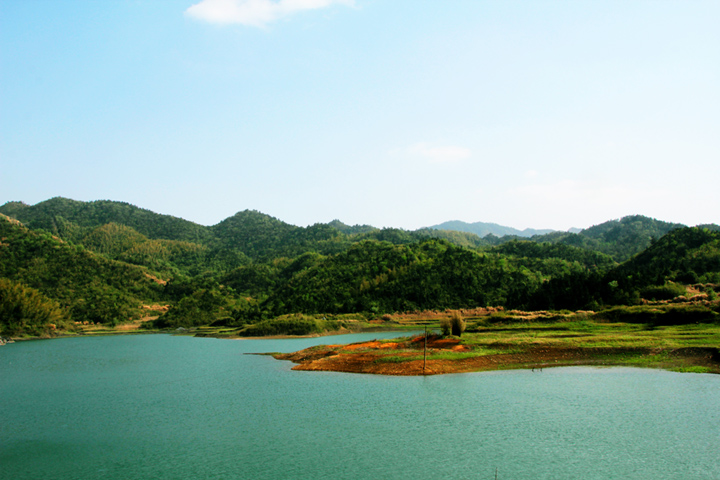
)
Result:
{"points": [[380, 277], [350, 230], [126, 232], [620, 239], [67, 218], [126, 244], [99, 261], [684, 256], [25, 310], [262, 237]]}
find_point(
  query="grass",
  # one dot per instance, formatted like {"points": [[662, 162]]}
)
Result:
{"points": [[395, 356], [398, 358], [606, 343], [589, 334], [693, 369]]}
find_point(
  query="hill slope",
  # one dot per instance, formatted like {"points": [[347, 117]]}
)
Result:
{"points": [[59, 215], [82, 262], [87, 286], [620, 239]]}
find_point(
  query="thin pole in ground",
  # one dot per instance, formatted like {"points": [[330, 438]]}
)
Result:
{"points": [[425, 350]]}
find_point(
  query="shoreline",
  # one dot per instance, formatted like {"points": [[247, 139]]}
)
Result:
{"points": [[445, 356], [193, 332], [518, 345]]}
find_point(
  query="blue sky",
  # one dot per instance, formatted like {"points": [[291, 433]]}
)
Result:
{"points": [[542, 114]]}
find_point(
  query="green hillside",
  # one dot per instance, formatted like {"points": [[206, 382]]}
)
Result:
{"points": [[685, 256], [682, 257], [99, 262], [380, 277], [124, 232], [620, 239], [54, 215], [86, 286]]}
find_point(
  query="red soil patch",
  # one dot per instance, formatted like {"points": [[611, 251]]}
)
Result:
{"points": [[155, 279], [367, 346]]}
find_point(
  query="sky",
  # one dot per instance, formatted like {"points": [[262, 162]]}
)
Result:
{"points": [[393, 113]]}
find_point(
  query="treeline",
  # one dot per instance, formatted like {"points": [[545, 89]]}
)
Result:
{"points": [[251, 236], [116, 230], [378, 277], [102, 261]]}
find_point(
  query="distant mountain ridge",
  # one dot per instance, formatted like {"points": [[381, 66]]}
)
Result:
{"points": [[482, 229]]}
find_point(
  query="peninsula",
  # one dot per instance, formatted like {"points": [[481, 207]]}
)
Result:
{"points": [[533, 344]]}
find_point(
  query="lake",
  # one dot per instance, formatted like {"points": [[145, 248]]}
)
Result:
{"points": [[178, 407]]}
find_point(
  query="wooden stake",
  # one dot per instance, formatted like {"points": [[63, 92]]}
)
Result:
{"points": [[425, 350]]}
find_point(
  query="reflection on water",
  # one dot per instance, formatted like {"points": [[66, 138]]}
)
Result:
{"points": [[157, 406]]}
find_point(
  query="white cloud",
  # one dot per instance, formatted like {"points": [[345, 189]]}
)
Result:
{"points": [[439, 154], [255, 13]]}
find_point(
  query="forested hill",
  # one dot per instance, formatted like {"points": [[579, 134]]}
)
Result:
{"points": [[620, 239], [69, 219], [687, 256], [50, 282], [682, 257], [106, 261], [246, 236], [256, 236], [125, 232]]}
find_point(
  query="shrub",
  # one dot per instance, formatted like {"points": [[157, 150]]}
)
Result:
{"points": [[712, 295], [663, 292], [445, 326], [457, 324]]}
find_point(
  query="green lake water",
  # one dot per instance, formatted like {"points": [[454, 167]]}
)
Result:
{"points": [[174, 407]]}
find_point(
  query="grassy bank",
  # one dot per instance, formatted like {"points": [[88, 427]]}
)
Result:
{"points": [[530, 344]]}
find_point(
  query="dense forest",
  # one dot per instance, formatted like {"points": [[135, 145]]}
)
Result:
{"points": [[64, 262]]}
